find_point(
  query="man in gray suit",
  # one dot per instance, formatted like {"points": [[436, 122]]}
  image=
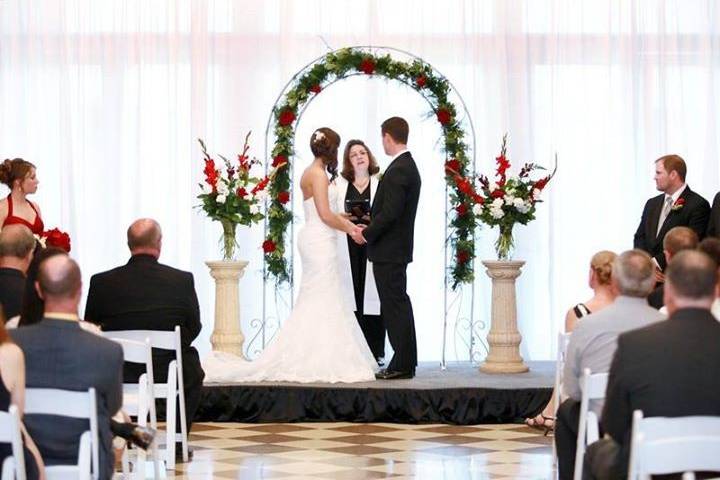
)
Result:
{"points": [[60, 354], [594, 340]]}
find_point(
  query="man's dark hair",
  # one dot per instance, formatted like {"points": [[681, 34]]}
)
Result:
{"points": [[710, 246], [397, 128], [692, 275]]}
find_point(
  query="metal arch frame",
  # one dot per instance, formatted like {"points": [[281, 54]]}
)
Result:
{"points": [[262, 324]]}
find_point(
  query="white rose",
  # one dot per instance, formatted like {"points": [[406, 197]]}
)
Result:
{"points": [[254, 209], [221, 198], [493, 187], [261, 195], [509, 199], [477, 209], [497, 213], [518, 203], [247, 196], [222, 188], [498, 203]]}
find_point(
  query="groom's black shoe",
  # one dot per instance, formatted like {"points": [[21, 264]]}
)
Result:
{"points": [[394, 375]]}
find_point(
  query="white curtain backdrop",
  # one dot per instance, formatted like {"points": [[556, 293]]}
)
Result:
{"points": [[107, 98]]}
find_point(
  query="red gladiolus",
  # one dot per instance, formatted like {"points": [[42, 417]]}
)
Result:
{"points": [[421, 81], [260, 186], [211, 173], [443, 116], [283, 197], [464, 185], [540, 184], [316, 88], [241, 192], [461, 209], [478, 199], [452, 166], [57, 238], [279, 160], [503, 164], [462, 256], [286, 118], [268, 246], [499, 193], [367, 66]]}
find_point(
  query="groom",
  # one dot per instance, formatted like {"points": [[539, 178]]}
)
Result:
{"points": [[390, 246]]}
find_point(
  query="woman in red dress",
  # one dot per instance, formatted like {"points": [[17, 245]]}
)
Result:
{"points": [[20, 177]]}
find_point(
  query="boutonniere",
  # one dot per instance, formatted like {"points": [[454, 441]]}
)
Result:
{"points": [[679, 203], [380, 176]]}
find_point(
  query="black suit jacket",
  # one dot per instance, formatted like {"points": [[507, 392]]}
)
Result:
{"points": [[713, 229], [147, 295], [390, 233], [668, 369], [12, 286], [60, 354], [694, 214]]}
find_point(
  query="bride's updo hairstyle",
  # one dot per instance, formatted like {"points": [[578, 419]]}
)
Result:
{"points": [[324, 144], [15, 169]]}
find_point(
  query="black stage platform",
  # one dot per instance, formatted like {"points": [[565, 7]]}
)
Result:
{"points": [[460, 395]]}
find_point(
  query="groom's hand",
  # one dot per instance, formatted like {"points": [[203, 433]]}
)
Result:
{"points": [[357, 235]]}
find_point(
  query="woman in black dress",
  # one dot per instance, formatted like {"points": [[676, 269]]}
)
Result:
{"points": [[357, 184]]}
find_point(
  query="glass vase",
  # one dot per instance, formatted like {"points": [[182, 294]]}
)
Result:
{"points": [[230, 245], [504, 244]]}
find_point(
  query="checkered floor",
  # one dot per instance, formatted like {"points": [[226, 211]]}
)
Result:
{"points": [[359, 451]]}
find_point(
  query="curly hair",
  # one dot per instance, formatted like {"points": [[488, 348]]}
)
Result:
{"points": [[15, 169], [324, 143]]}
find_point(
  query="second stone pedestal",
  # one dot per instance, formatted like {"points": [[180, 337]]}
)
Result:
{"points": [[227, 335]]}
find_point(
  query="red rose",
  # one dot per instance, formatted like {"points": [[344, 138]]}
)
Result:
{"points": [[462, 256], [283, 197], [421, 81], [443, 116], [367, 66], [499, 193], [464, 185], [286, 117], [316, 88], [56, 238], [679, 202], [461, 209], [452, 166], [268, 246], [241, 192], [279, 160], [478, 199]]}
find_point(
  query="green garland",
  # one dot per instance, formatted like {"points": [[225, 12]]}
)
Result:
{"points": [[419, 76]]}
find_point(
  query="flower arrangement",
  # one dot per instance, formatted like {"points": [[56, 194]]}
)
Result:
{"points": [[54, 238], [345, 63], [232, 196], [505, 201]]}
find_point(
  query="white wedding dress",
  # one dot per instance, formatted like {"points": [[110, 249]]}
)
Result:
{"points": [[321, 340]]}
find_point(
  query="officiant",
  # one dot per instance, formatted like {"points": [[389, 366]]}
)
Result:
{"points": [[356, 186]]}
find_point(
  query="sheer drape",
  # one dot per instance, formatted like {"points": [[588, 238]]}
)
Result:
{"points": [[107, 98]]}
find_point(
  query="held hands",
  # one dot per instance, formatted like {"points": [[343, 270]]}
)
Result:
{"points": [[356, 234]]}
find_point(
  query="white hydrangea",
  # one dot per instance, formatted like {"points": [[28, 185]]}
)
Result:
{"points": [[477, 209], [255, 209], [498, 203], [509, 199], [222, 189], [261, 195], [221, 198], [497, 212], [523, 207]]}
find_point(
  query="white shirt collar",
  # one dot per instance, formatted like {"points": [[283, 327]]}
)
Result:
{"points": [[398, 154], [677, 194]]}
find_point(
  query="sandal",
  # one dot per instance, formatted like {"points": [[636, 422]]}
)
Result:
{"points": [[541, 422]]}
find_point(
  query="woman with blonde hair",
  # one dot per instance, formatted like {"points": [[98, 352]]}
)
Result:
{"points": [[600, 281]]}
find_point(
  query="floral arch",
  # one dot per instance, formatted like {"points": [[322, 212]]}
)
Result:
{"points": [[287, 111]]}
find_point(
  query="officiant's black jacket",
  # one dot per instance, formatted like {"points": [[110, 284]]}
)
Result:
{"points": [[390, 233], [694, 214], [147, 295], [668, 369], [714, 223]]}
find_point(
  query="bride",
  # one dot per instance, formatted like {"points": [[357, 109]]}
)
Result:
{"points": [[321, 340]]}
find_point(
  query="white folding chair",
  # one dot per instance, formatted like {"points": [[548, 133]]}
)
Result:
{"points": [[138, 401], [593, 388], [662, 445], [562, 344], [172, 390], [66, 403], [14, 466]]}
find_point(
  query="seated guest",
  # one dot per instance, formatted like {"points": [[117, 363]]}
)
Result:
{"points": [[668, 369], [676, 240], [147, 295], [33, 307], [62, 355], [593, 342], [12, 392], [599, 278], [16, 250], [711, 247]]}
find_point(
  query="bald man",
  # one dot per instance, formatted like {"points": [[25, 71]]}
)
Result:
{"points": [[16, 251], [60, 354], [147, 295]]}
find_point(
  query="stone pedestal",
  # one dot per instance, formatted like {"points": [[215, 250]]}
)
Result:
{"points": [[504, 338], [227, 335]]}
